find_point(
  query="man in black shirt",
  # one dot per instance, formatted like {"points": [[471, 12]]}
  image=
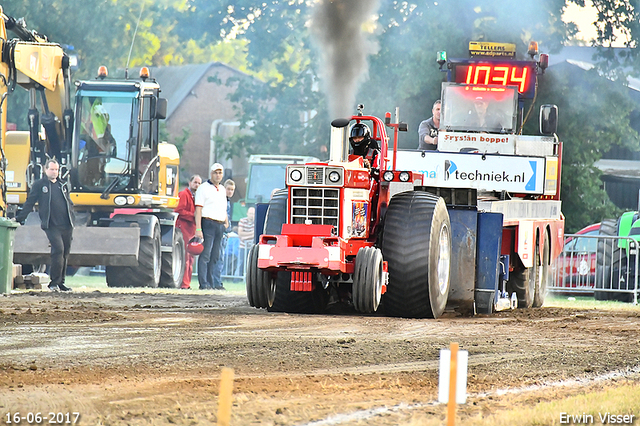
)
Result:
{"points": [[56, 219]]}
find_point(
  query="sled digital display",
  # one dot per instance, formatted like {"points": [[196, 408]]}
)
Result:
{"points": [[519, 74]]}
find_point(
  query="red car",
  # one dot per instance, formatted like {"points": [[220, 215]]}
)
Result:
{"points": [[576, 265]]}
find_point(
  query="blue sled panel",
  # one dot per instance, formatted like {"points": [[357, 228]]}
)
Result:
{"points": [[488, 261], [261, 215], [464, 223]]}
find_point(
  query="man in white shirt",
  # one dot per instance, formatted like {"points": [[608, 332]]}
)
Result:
{"points": [[211, 221]]}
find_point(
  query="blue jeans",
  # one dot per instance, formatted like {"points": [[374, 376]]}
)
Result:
{"points": [[212, 232], [217, 270]]}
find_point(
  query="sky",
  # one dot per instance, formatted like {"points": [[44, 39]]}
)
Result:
{"points": [[584, 18]]}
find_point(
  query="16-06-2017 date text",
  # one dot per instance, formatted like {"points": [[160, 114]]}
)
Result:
{"points": [[49, 418]]}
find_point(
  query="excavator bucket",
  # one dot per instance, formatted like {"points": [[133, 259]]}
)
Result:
{"points": [[90, 246]]}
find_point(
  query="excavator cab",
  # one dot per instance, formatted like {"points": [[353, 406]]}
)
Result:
{"points": [[100, 150], [115, 141]]}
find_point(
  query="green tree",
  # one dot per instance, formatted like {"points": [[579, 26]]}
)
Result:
{"points": [[410, 34], [285, 110], [609, 116], [285, 103], [121, 33], [403, 73], [594, 115]]}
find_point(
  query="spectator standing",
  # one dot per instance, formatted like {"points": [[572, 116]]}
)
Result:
{"points": [[56, 219], [428, 129], [246, 227], [230, 188], [187, 223], [211, 221]]}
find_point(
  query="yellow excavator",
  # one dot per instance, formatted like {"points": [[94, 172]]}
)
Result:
{"points": [[123, 180]]}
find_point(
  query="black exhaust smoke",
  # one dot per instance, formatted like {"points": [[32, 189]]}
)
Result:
{"points": [[337, 27]]}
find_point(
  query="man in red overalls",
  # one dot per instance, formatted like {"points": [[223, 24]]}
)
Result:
{"points": [[187, 224]]}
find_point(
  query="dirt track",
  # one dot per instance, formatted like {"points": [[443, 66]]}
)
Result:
{"points": [[142, 358]]}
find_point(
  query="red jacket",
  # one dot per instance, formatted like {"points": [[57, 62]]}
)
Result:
{"points": [[186, 218]]}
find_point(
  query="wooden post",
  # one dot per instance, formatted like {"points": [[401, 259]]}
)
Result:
{"points": [[453, 372], [225, 398]]}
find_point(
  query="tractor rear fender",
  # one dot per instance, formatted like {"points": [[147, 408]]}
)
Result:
{"points": [[628, 221]]}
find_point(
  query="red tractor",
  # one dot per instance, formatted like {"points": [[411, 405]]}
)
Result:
{"points": [[336, 232], [474, 226]]}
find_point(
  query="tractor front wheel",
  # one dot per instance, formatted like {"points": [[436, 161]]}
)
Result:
{"points": [[261, 286], [367, 280], [173, 262]]}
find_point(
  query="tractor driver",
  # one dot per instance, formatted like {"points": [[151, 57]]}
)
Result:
{"points": [[363, 145]]}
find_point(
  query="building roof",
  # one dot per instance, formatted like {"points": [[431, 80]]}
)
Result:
{"points": [[177, 82], [585, 57], [621, 168]]}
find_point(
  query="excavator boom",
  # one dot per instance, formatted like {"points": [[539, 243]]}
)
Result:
{"points": [[38, 66]]}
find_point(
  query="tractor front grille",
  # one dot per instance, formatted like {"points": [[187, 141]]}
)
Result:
{"points": [[319, 205]]}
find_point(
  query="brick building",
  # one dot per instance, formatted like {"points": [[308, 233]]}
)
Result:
{"points": [[202, 108]]}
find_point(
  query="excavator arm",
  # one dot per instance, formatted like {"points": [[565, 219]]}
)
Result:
{"points": [[42, 68]]}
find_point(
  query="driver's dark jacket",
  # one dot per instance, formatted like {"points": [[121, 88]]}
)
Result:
{"points": [[41, 193], [368, 150]]}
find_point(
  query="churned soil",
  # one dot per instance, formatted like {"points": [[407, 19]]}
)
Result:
{"points": [[155, 358]]}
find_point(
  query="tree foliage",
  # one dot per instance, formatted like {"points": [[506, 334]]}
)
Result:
{"points": [[595, 115], [126, 33], [286, 112], [283, 107], [403, 72]]}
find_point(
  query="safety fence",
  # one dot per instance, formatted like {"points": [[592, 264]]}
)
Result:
{"points": [[234, 259], [599, 265]]}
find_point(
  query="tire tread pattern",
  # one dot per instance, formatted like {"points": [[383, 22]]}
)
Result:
{"points": [[142, 275], [169, 277], [362, 300], [405, 246]]}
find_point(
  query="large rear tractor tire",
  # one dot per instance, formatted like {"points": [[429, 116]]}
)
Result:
{"points": [[367, 280], [276, 213], [417, 245], [173, 263], [147, 273], [261, 286]]}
